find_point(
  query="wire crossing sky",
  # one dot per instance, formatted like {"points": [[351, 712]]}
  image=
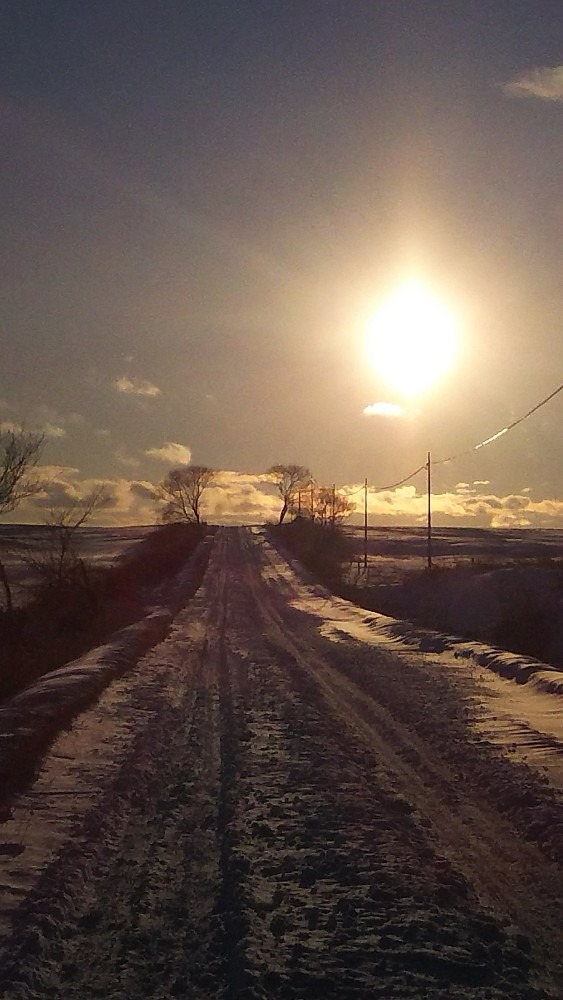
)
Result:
{"points": [[504, 430]]}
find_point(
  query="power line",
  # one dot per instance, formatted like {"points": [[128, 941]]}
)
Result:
{"points": [[504, 430], [382, 489], [460, 454]]}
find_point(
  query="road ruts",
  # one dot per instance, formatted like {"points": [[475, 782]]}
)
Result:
{"points": [[282, 830], [347, 891]]}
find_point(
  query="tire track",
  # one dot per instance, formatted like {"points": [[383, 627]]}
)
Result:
{"points": [[481, 849]]}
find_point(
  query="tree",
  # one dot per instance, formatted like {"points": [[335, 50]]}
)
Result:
{"points": [[61, 564], [182, 491], [19, 453], [329, 507], [290, 481]]}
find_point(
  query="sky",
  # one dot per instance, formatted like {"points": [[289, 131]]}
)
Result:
{"points": [[203, 204]]}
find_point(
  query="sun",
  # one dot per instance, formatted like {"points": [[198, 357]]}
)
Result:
{"points": [[412, 339]]}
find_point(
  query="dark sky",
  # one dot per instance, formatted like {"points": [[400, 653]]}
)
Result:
{"points": [[202, 203]]}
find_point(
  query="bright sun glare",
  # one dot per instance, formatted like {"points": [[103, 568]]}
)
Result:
{"points": [[411, 339]]}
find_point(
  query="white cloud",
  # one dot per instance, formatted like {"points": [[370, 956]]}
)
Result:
{"points": [[135, 386], [171, 452], [383, 410], [544, 82]]}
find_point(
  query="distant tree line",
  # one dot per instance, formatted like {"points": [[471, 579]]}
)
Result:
{"points": [[181, 494]]}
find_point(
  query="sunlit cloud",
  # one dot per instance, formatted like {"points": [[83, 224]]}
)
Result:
{"points": [[543, 82], [129, 501], [171, 452], [248, 498], [383, 410], [245, 498], [135, 386]]}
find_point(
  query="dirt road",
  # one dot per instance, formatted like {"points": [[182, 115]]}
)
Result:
{"points": [[261, 811]]}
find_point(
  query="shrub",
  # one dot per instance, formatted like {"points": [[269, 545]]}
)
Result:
{"points": [[322, 549]]}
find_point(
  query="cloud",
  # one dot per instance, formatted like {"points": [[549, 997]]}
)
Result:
{"points": [[135, 386], [131, 502], [544, 82], [242, 498], [51, 430], [124, 458], [45, 420], [383, 410], [144, 491], [171, 452]]}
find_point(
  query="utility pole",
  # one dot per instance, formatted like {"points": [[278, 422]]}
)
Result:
{"points": [[365, 525], [333, 504], [312, 502], [429, 496], [299, 504]]}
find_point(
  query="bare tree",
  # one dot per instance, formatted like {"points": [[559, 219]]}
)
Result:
{"points": [[61, 563], [290, 481], [19, 453], [329, 506], [182, 491]]}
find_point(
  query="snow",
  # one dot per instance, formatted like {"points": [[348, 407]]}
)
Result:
{"points": [[521, 713], [149, 742]]}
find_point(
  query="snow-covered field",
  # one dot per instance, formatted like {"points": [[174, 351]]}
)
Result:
{"points": [[394, 553], [101, 546]]}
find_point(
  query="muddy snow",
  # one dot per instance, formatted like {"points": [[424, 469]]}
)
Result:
{"points": [[287, 796]]}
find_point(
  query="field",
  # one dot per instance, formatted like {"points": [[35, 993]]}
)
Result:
{"points": [[19, 543], [504, 588], [394, 553]]}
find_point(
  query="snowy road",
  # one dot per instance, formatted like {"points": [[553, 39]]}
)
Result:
{"points": [[259, 811]]}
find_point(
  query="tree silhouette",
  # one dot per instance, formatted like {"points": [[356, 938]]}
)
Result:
{"points": [[290, 480], [19, 453], [182, 491]]}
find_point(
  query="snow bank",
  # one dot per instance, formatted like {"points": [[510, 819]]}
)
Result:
{"points": [[52, 700], [63, 691], [378, 628], [341, 616]]}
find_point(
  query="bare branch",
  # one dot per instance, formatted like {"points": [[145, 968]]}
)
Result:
{"points": [[182, 491], [19, 452]]}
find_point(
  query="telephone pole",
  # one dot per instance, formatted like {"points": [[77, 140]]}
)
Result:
{"points": [[429, 497], [365, 525]]}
